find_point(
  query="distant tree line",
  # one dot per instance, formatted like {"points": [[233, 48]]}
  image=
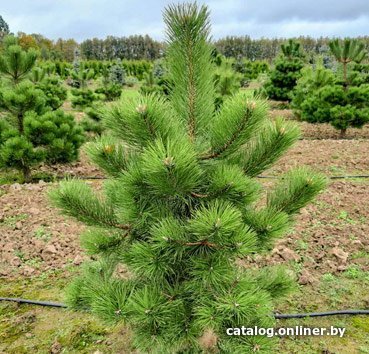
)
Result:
{"points": [[144, 47], [132, 47], [267, 49]]}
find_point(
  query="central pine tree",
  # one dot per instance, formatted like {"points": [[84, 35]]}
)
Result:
{"points": [[182, 205]]}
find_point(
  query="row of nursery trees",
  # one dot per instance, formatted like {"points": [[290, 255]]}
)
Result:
{"points": [[33, 127], [320, 93], [181, 204]]}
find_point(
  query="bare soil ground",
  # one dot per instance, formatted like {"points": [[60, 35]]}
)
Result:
{"points": [[328, 250], [320, 131]]}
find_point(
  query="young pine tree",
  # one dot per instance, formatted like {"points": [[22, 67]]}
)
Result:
{"points": [[80, 77], [4, 28], [182, 205], [113, 79], [341, 100], [287, 70], [29, 132], [351, 50]]}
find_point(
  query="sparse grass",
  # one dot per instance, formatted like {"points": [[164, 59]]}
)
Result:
{"points": [[11, 221], [42, 234], [334, 292], [32, 329]]}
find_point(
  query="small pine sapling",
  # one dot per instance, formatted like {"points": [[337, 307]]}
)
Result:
{"points": [[227, 82], [351, 50], [92, 122], [31, 133], [57, 133], [54, 92], [113, 80], [286, 72], [117, 73], [181, 205], [341, 100], [80, 77], [311, 80]]}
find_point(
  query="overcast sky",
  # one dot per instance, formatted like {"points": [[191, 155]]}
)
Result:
{"points": [[81, 19]]}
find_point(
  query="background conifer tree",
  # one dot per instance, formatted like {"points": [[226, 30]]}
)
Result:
{"points": [[29, 132], [4, 28], [181, 206], [113, 81], [286, 72], [341, 100]]}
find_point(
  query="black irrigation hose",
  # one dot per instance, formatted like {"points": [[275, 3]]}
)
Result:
{"points": [[330, 177], [277, 316], [332, 138], [33, 302], [261, 176], [321, 314]]}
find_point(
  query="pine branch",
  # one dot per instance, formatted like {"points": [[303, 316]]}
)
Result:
{"points": [[190, 66], [139, 122], [76, 199], [98, 241], [110, 155], [228, 182], [238, 120], [268, 224], [297, 188], [171, 168], [267, 147]]}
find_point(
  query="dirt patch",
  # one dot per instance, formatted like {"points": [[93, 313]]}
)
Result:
{"points": [[330, 235], [333, 157], [80, 168], [34, 237], [320, 131]]}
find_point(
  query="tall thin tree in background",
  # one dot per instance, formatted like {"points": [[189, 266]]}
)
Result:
{"points": [[351, 50], [4, 28]]}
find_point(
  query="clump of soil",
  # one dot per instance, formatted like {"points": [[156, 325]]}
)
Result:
{"points": [[34, 237]]}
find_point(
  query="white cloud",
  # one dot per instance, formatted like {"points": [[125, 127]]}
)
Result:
{"points": [[82, 19]]}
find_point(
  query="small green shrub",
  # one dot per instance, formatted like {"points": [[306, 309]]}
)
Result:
{"points": [[31, 133], [286, 72], [55, 93], [91, 123], [341, 100], [83, 98], [57, 133], [110, 92]]}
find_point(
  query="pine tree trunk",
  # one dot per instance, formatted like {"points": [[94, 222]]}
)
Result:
{"points": [[343, 133], [20, 123], [26, 174], [345, 83]]}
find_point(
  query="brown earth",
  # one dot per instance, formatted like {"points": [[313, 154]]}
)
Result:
{"points": [[333, 157], [320, 131], [34, 238], [330, 239], [330, 233]]}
